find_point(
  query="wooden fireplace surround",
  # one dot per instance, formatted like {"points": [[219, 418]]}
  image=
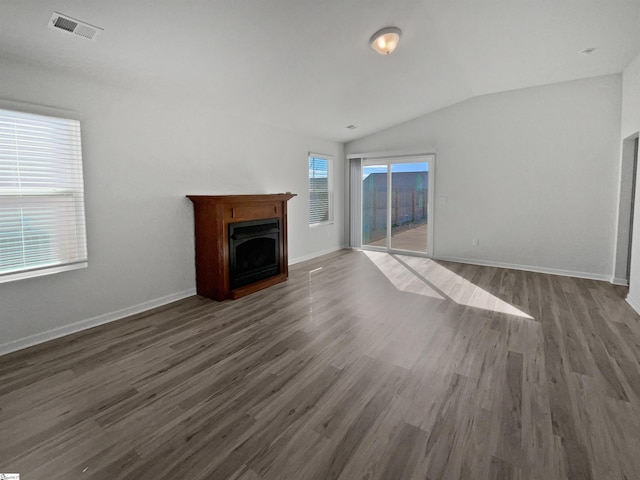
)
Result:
{"points": [[212, 215]]}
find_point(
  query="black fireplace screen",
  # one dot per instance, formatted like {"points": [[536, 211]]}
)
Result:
{"points": [[254, 251]]}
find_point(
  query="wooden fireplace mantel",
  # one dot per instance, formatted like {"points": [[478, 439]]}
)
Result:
{"points": [[212, 215]]}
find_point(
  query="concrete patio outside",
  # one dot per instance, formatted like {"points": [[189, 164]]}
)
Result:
{"points": [[411, 239]]}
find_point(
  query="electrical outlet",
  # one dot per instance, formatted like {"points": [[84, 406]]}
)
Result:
{"points": [[476, 242]]}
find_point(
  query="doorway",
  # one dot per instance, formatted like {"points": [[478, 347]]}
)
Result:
{"points": [[396, 204], [628, 169], [634, 175]]}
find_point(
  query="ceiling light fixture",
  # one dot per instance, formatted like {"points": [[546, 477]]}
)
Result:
{"points": [[386, 40]]}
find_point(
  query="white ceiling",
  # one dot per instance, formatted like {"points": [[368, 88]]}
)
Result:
{"points": [[305, 65]]}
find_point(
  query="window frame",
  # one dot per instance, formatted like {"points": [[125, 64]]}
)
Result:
{"points": [[9, 195], [329, 160]]}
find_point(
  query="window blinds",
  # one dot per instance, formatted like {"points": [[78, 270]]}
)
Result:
{"points": [[318, 190], [42, 225]]}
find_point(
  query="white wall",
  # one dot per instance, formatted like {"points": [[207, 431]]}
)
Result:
{"points": [[532, 174], [142, 155], [630, 126]]}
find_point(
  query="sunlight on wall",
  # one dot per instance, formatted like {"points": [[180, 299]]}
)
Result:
{"points": [[423, 276]]}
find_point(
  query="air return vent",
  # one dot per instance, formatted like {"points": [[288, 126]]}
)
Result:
{"points": [[69, 24]]}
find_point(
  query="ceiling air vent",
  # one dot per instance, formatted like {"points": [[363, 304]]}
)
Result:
{"points": [[69, 24]]}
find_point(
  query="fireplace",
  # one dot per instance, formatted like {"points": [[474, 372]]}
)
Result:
{"points": [[241, 243], [254, 251]]}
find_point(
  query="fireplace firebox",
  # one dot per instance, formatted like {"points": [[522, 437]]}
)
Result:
{"points": [[254, 251]]}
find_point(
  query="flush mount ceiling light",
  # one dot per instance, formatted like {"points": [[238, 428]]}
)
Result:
{"points": [[386, 40]]}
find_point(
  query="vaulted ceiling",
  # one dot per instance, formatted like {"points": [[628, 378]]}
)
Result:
{"points": [[305, 65]]}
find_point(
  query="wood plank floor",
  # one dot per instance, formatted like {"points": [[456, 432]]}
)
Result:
{"points": [[362, 366]]}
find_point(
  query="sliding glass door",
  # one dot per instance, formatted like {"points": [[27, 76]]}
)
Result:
{"points": [[374, 205], [396, 205]]}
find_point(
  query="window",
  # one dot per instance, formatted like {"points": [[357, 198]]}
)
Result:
{"points": [[319, 189], [42, 227]]}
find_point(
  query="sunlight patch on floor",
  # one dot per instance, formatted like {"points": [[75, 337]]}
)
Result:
{"points": [[401, 278], [423, 276]]}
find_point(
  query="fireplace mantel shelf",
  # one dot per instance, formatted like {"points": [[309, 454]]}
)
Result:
{"points": [[267, 197], [213, 214]]}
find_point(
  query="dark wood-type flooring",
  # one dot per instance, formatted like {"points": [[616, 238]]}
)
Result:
{"points": [[362, 365]]}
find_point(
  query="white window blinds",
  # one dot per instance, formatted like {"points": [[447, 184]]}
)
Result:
{"points": [[42, 225], [319, 190]]}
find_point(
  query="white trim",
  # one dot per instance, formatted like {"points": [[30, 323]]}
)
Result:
{"points": [[321, 224], [634, 304], [75, 327], [391, 154], [39, 272], [620, 281], [320, 155], [39, 109], [311, 256], [527, 268], [431, 208]]}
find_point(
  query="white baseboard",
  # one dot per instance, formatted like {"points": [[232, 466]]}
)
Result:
{"points": [[314, 255], [528, 268], [58, 332], [634, 303], [620, 281]]}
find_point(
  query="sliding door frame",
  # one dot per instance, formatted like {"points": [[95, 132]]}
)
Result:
{"points": [[355, 211]]}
